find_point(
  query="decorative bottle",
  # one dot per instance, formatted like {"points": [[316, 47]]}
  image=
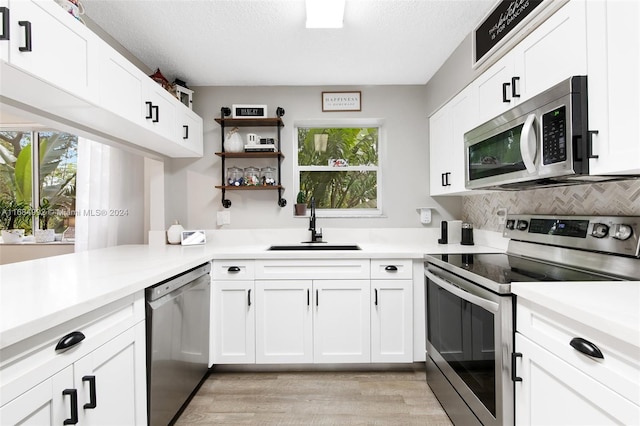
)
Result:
{"points": [[174, 233]]}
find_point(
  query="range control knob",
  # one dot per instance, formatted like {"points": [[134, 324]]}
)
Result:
{"points": [[522, 225], [511, 224], [600, 230], [622, 232]]}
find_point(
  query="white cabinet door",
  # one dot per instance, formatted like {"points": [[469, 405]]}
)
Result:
{"points": [[284, 325], [111, 381], [50, 44], [189, 132], [553, 392], [341, 326], [391, 321], [160, 110], [44, 404], [494, 92], [233, 323], [614, 87], [446, 142], [555, 51]]}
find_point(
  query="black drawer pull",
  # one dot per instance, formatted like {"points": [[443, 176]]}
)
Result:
{"points": [[586, 347], [73, 393], [69, 341], [249, 297], [27, 35], [233, 269], [92, 392], [514, 356], [505, 86], [5, 23], [391, 268]]}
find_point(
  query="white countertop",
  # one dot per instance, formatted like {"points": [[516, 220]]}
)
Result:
{"points": [[611, 307], [39, 294]]}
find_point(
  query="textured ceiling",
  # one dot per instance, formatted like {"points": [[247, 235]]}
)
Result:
{"points": [[265, 42]]}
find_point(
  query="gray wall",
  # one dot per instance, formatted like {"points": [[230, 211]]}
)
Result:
{"points": [[404, 159]]}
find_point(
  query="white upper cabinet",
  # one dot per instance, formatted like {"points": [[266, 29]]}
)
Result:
{"points": [[55, 67], [614, 87], [554, 51]]}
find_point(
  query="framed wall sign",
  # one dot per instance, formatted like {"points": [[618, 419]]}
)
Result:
{"points": [[500, 23], [341, 101], [248, 111]]}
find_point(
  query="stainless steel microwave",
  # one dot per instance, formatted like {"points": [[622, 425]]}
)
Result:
{"points": [[543, 141]]}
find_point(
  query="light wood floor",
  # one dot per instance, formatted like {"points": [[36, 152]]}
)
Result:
{"points": [[396, 397]]}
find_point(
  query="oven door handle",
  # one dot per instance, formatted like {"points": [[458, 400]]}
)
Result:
{"points": [[463, 294]]}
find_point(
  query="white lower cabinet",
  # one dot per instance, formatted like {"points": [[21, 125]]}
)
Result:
{"points": [[342, 326], [560, 385], [101, 380], [391, 321]]}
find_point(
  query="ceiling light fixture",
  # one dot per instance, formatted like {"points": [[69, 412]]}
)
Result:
{"points": [[325, 13]]}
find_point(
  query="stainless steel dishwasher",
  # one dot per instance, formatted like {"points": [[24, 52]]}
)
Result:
{"points": [[177, 320]]}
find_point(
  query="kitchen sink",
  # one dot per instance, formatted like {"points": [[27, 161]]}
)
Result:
{"points": [[314, 246]]}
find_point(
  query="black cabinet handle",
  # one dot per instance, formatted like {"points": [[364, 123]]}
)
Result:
{"points": [[375, 291], [249, 297], [186, 132], [27, 35], [308, 297], [316, 297], [446, 179], [586, 347], [5, 23], [92, 392], [442, 179], [73, 393], [233, 269], [149, 110], [69, 340], [590, 153], [156, 108], [391, 268], [505, 86], [514, 356], [514, 90]]}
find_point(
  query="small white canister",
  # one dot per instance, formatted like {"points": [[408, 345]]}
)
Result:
{"points": [[174, 233]]}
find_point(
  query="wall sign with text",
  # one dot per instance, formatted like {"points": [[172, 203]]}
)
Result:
{"points": [[341, 101], [499, 23]]}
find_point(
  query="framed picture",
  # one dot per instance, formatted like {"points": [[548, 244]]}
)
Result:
{"points": [[341, 101], [248, 111]]}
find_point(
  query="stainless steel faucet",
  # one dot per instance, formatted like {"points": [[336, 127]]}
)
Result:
{"points": [[316, 236]]}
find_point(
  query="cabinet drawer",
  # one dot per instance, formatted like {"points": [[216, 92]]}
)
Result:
{"points": [[30, 361], [345, 269], [233, 270], [619, 370], [391, 269]]}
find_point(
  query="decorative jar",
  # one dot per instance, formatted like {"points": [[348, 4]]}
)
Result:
{"points": [[251, 176], [268, 176], [174, 233], [235, 176]]}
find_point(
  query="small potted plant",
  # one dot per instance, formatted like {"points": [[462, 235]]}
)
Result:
{"points": [[45, 235], [301, 204], [12, 212]]}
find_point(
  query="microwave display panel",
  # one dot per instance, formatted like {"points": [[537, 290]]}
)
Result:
{"points": [[498, 155], [554, 133]]}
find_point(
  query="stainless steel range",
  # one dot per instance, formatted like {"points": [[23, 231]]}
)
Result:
{"points": [[471, 311]]}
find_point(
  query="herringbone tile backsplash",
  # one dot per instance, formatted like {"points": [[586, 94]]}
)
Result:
{"points": [[613, 198]]}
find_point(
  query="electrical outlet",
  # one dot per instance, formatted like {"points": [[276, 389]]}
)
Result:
{"points": [[502, 215], [224, 218]]}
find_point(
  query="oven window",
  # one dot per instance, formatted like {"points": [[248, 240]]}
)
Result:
{"points": [[498, 155], [463, 334]]}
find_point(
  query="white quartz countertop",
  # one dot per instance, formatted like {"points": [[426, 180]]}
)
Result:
{"points": [[611, 307], [39, 294]]}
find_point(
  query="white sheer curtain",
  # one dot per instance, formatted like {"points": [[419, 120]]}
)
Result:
{"points": [[109, 196]]}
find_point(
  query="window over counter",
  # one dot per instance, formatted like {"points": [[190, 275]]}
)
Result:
{"points": [[38, 182], [339, 165]]}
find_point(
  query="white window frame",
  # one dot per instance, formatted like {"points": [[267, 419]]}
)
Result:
{"points": [[343, 123]]}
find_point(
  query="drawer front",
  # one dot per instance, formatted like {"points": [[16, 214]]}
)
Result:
{"points": [[233, 270], [619, 370], [391, 269], [345, 269], [29, 362]]}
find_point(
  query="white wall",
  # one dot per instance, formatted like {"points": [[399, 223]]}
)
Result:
{"points": [[192, 198]]}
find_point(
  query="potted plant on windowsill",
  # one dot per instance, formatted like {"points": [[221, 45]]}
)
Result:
{"points": [[12, 212], [301, 204], [45, 235]]}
